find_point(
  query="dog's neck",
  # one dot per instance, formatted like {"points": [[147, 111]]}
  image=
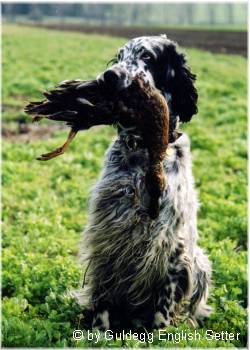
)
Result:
{"points": [[173, 118], [173, 127]]}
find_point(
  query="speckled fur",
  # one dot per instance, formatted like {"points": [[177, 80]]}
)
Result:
{"points": [[140, 270]]}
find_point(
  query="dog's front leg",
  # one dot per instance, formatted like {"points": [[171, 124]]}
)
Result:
{"points": [[164, 305], [177, 286]]}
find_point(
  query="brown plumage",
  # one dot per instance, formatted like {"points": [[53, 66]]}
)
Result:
{"points": [[85, 104], [151, 116], [81, 104]]}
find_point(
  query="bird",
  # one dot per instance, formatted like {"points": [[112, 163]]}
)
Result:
{"points": [[83, 104]]}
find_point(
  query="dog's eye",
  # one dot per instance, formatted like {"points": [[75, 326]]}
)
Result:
{"points": [[146, 57]]}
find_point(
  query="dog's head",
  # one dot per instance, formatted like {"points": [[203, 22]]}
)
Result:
{"points": [[160, 62]]}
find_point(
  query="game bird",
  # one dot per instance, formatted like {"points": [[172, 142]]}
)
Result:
{"points": [[83, 104]]}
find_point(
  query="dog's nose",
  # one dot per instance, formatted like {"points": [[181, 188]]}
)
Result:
{"points": [[110, 77]]}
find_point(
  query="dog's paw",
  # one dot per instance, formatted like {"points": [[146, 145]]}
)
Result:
{"points": [[101, 321], [160, 321]]}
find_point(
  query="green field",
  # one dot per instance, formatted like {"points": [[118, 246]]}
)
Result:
{"points": [[45, 204]]}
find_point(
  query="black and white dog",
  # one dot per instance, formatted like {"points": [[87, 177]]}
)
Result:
{"points": [[138, 270]]}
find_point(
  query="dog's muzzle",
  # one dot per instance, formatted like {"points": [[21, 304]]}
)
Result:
{"points": [[116, 77]]}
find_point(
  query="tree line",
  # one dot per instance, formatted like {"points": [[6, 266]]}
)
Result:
{"points": [[132, 14]]}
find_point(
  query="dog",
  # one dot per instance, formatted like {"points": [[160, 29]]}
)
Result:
{"points": [[138, 270]]}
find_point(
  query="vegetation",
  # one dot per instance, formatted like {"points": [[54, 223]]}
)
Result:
{"points": [[45, 204], [197, 14]]}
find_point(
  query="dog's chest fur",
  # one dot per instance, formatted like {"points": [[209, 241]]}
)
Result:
{"points": [[128, 251]]}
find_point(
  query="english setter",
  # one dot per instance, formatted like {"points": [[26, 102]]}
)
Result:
{"points": [[139, 270]]}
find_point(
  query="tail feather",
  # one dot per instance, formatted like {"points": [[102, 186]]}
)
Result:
{"points": [[65, 103], [81, 104], [63, 115], [43, 108]]}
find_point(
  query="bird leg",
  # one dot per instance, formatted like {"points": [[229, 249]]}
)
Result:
{"points": [[60, 150]]}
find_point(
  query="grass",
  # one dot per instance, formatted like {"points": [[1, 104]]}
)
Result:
{"points": [[45, 204]]}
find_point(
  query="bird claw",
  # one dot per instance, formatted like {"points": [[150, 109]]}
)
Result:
{"points": [[60, 150], [47, 156]]}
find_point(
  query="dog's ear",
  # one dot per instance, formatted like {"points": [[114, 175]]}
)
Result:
{"points": [[180, 84]]}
